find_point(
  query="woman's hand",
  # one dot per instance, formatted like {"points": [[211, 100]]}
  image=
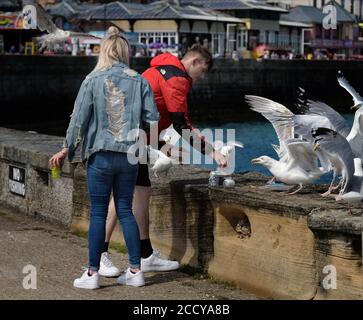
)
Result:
{"points": [[57, 159]]}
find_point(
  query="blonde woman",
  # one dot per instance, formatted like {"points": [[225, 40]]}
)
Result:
{"points": [[112, 102]]}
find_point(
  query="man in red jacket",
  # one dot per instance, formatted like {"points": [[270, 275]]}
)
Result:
{"points": [[171, 80]]}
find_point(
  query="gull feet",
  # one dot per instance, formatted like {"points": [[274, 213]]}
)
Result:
{"points": [[296, 191]]}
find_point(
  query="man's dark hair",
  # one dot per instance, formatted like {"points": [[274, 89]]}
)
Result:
{"points": [[203, 52]]}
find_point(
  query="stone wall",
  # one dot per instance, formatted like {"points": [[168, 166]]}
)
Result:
{"points": [[273, 244], [44, 197]]}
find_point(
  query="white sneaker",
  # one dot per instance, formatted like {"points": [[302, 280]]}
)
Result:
{"points": [[132, 279], [87, 282], [107, 268], [157, 263]]}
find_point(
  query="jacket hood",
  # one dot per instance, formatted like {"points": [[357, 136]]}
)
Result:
{"points": [[166, 59]]}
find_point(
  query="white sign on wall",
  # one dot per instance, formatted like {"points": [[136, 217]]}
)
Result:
{"points": [[17, 180]]}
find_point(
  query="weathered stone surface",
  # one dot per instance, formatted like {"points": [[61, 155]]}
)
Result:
{"points": [[182, 222], [30, 148], [341, 255], [277, 260], [293, 237], [336, 220], [44, 196]]}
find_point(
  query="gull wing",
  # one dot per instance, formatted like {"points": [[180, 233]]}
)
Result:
{"points": [[336, 145], [301, 153], [355, 136], [346, 85], [281, 118], [311, 106]]}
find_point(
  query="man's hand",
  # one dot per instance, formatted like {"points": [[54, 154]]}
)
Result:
{"points": [[219, 158], [57, 159]]}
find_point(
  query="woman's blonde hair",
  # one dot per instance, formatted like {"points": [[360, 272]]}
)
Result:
{"points": [[114, 49]]}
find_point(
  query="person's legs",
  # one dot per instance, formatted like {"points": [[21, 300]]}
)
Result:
{"points": [[141, 208], [142, 197], [110, 223], [150, 260], [123, 190], [99, 180], [107, 268]]}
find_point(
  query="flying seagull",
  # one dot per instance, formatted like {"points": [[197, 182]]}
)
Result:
{"points": [[229, 151], [357, 99], [161, 162], [35, 16]]}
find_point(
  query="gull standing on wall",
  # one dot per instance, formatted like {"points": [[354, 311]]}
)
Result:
{"points": [[298, 163]]}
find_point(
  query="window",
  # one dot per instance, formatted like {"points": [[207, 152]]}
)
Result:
{"points": [[217, 44], [267, 37], [243, 38], [166, 38]]}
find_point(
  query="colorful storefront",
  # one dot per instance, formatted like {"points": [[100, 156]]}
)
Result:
{"points": [[13, 36]]}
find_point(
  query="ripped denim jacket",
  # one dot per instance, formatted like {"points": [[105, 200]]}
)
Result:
{"points": [[111, 106]]}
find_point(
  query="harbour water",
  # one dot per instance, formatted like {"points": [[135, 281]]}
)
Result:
{"points": [[257, 137]]}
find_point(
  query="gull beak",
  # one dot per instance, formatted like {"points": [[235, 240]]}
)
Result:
{"points": [[255, 161], [316, 146], [356, 106]]}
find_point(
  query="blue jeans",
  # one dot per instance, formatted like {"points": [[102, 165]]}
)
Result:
{"points": [[107, 171]]}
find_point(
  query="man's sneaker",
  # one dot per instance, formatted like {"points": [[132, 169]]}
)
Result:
{"points": [[157, 263], [107, 268], [132, 279], [87, 282]]}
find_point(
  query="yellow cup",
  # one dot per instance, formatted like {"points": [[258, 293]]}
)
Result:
{"points": [[55, 172]]}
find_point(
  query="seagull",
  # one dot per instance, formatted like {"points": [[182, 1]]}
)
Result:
{"points": [[298, 163], [170, 135], [329, 119], [335, 144], [171, 138], [35, 15], [357, 99], [161, 162], [355, 136], [228, 151], [333, 119]]}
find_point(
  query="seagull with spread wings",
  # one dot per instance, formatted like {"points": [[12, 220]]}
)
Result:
{"points": [[355, 137], [35, 15], [298, 163]]}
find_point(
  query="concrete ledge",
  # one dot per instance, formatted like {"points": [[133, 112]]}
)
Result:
{"points": [[45, 197], [267, 242]]}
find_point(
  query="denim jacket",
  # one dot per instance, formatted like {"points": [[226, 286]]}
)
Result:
{"points": [[111, 106]]}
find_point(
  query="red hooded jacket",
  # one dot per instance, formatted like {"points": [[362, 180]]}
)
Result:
{"points": [[171, 85]]}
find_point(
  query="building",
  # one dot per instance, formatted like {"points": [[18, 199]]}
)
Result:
{"points": [[354, 7], [260, 18], [314, 37], [167, 25]]}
